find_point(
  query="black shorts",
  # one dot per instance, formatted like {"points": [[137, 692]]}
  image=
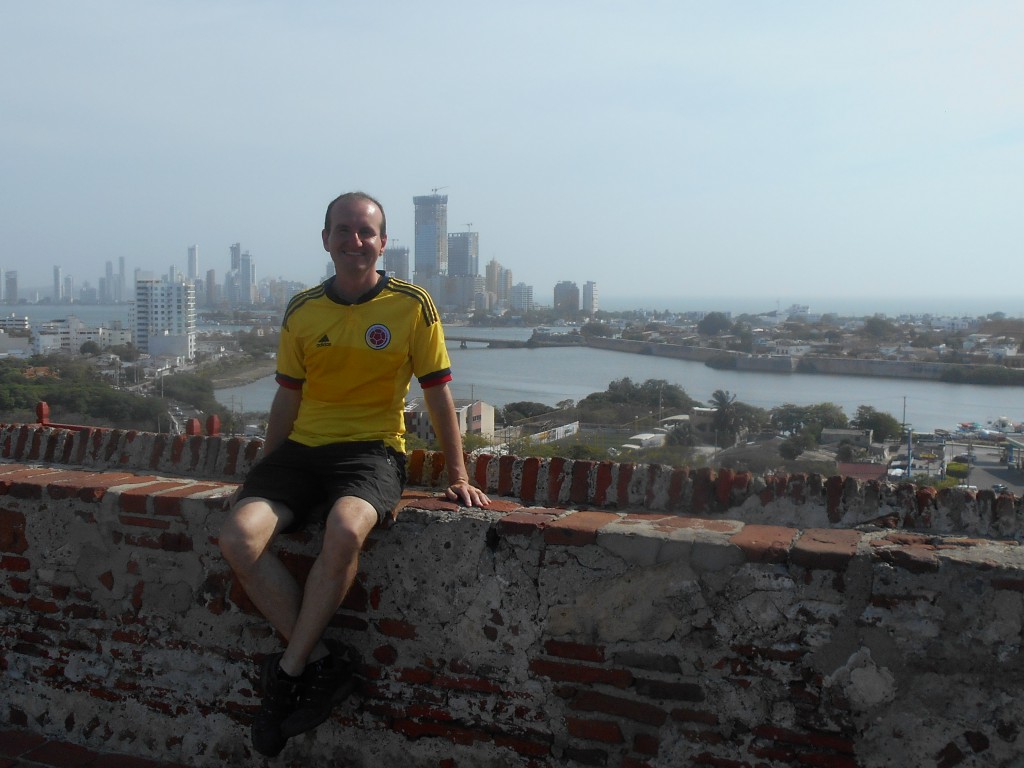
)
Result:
{"points": [[308, 480]]}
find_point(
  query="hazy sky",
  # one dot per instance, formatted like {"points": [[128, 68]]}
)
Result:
{"points": [[793, 150]]}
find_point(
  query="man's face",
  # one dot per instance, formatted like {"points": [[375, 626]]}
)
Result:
{"points": [[354, 239]]}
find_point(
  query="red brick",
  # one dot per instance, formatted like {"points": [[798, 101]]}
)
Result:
{"points": [[556, 477], [143, 522], [414, 676], [506, 464], [591, 701], [59, 753], [825, 548], [916, 559], [12, 532], [475, 684], [14, 564], [396, 628], [646, 744], [41, 606], [603, 481], [765, 543], [525, 522], [577, 651], [606, 731], [15, 743], [581, 673], [529, 479], [577, 529], [625, 476], [579, 488]]}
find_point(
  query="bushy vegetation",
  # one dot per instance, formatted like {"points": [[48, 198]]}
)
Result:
{"points": [[75, 392]]}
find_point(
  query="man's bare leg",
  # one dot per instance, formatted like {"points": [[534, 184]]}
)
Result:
{"points": [[348, 524], [245, 542]]}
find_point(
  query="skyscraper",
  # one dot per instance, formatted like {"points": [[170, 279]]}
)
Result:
{"points": [[521, 299], [396, 262], [11, 287], [58, 286], [431, 236], [566, 298], [164, 317], [590, 303], [463, 254], [193, 262]]}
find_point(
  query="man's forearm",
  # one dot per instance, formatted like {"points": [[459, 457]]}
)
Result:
{"points": [[283, 412], [446, 426]]}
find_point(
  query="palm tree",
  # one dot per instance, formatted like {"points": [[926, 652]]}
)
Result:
{"points": [[726, 420]]}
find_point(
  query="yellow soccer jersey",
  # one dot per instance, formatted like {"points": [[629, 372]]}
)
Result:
{"points": [[354, 362]]}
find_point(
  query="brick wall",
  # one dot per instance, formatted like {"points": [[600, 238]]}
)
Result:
{"points": [[597, 614]]}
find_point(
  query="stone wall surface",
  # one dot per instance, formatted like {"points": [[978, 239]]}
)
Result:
{"points": [[619, 616]]}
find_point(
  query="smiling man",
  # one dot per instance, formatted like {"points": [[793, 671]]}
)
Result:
{"points": [[348, 350]]}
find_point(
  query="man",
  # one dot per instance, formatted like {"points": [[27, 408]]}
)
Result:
{"points": [[348, 350]]}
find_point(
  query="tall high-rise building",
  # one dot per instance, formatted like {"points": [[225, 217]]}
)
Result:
{"points": [[163, 317], [521, 298], [193, 262], [121, 293], [236, 255], [396, 262], [11, 286], [566, 298], [463, 254], [109, 294], [211, 288], [590, 298], [247, 279], [431, 237], [498, 283], [58, 286]]}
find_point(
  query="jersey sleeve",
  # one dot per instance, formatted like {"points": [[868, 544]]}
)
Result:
{"points": [[291, 369], [430, 362]]}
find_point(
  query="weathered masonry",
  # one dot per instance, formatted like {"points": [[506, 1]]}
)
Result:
{"points": [[597, 614]]}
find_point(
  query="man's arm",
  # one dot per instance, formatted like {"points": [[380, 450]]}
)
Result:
{"points": [[283, 412], [446, 425]]}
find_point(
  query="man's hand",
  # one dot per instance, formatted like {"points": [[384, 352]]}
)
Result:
{"points": [[467, 494]]}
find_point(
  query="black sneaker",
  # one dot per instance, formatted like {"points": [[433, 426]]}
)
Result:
{"points": [[324, 683], [280, 694]]}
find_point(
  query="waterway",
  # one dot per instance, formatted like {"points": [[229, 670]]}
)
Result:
{"points": [[551, 375]]}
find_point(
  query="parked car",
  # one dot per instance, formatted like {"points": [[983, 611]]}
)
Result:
{"points": [[964, 458], [1000, 487]]}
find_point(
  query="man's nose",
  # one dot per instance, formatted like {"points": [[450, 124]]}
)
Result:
{"points": [[352, 240]]}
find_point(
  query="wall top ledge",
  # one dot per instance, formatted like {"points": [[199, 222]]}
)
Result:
{"points": [[639, 536]]}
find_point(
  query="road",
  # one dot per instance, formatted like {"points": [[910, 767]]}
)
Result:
{"points": [[987, 469]]}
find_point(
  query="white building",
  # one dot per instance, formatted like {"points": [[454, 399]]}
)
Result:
{"points": [[163, 318], [590, 298], [475, 418]]}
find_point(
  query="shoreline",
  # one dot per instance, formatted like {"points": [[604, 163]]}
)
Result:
{"points": [[244, 375]]}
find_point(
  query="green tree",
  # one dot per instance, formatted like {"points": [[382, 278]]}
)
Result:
{"points": [[726, 420], [713, 323], [89, 348], [880, 329], [883, 425]]}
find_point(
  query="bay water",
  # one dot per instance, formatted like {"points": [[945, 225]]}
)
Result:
{"points": [[553, 374]]}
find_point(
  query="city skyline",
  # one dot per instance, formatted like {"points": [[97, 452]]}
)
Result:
{"points": [[797, 152], [446, 263]]}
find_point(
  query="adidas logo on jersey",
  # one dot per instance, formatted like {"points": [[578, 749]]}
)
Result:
{"points": [[324, 341]]}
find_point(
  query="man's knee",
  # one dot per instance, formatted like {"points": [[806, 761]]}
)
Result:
{"points": [[348, 524], [247, 531]]}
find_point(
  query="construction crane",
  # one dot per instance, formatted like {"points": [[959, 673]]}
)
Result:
{"points": [[435, 190], [469, 227]]}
